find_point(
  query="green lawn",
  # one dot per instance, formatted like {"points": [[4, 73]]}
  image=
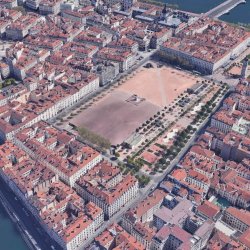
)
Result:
{"points": [[7, 82]]}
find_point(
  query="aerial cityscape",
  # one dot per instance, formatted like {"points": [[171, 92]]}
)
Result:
{"points": [[124, 125]]}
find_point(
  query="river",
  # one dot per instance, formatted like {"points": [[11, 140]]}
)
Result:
{"points": [[196, 6], [240, 14], [10, 238]]}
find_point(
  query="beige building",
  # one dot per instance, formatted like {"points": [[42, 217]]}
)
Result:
{"points": [[237, 218]]}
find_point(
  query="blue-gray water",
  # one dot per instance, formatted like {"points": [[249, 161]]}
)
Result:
{"points": [[240, 14], [10, 238], [196, 6]]}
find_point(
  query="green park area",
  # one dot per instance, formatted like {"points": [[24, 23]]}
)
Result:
{"points": [[7, 83], [249, 59], [93, 138]]}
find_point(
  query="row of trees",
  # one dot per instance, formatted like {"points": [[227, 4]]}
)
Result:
{"points": [[133, 167], [170, 153], [209, 106], [182, 137], [143, 180], [94, 138]]}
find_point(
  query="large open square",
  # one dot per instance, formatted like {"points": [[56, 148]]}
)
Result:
{"points": [[114, 117], [159, 86], [119, 113]]}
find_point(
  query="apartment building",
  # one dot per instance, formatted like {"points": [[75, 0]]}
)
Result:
{"points": [[221, 240], [234, 188], [56, 206], [74, 15], [106, 70], [127, 4], [143, 234], [176, 214], [198, 179], [49, 7], [58, 150], [22, 58], [20, 27], [235, 147], [237, 218], [107, 188], [223, 121], [208, 210], [196, 48], [124, 43], [144, 211], [8, 3], [175, 237], [4, 70], [94, 36], [116, 237], [44, 42], [44, 104], [125, 58], [17, 92], [32, 4]]}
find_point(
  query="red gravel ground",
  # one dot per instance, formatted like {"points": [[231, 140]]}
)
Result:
{"points": [[159, 86], [114, 118]]}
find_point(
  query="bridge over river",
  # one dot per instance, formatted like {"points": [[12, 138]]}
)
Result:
{"points": [[223, 8]]}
